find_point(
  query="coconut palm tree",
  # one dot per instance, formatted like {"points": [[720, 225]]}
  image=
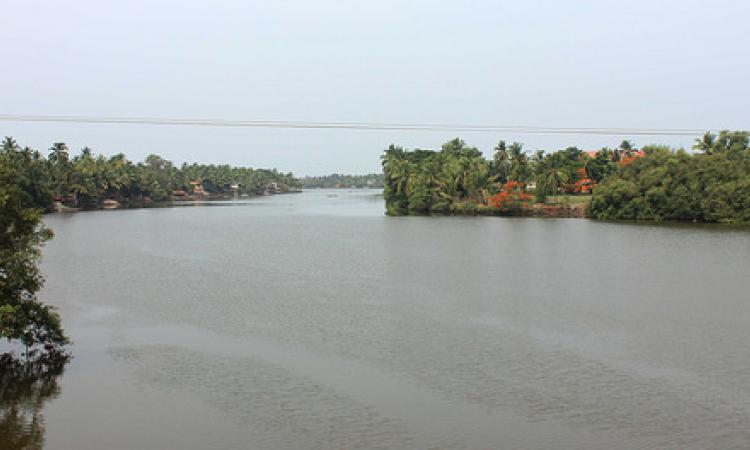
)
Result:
{"points": [[706, 144], [9, 144], [520, 169], [500, 162], [553, 178]]}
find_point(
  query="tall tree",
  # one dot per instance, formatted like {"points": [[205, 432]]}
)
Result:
{"points": [[22, 233], [706, 143]]}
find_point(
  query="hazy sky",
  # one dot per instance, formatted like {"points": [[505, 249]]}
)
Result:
{"points": [[598, 63]]}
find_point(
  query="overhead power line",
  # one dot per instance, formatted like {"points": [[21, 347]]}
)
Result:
{"points": [[374, 126]]}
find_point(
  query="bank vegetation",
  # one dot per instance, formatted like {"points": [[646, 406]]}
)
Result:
{"points": [[654, 182]]}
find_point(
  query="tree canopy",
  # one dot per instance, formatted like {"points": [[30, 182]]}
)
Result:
{"points": [[459, 179], [86, 179], [22, 191], [654, 182], [711, 186], [372, 180]]}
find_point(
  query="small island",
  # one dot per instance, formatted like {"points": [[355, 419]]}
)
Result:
{"points": [[654, 182]]}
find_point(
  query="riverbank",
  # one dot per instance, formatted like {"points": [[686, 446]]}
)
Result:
{"points": [[561, 206], [148, 203], [654, 182]]}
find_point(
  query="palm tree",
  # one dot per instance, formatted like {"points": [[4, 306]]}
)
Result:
{"points": [[538, 156], [501, 151], [706, 144], [59, 164], [454, 146], [9, 144], [396, 171], [59, 153], [500, 161], [519, 163], [515, 150], [553, 178]]}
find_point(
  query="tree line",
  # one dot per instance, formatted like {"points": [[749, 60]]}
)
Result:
{"points": [[712, 185], [86, 180], [335, 181], [654, 182], [458, 178]]}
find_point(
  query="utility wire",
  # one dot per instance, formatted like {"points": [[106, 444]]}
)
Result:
{"points": [[375, 126]]}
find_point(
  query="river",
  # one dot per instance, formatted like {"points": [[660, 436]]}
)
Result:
{"points": [[314, 321]]}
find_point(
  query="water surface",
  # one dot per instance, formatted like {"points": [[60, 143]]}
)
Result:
{"points": [[313, 321]]}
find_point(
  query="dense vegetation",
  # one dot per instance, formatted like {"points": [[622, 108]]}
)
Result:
{"points": [[655, 182], [712, 186], [23, 188], [85, 180], [458, 179], [372, 180]]}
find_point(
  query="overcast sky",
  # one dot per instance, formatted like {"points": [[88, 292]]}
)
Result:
{"points": [[598, 63]]}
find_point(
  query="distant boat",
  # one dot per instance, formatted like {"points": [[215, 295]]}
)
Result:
{"points": [[332, 195], [110, 204]]}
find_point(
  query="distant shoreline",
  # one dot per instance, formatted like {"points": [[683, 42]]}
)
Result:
{"points": [[164, 204]]}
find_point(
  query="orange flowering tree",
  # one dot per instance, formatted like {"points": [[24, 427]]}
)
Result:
{"points": [[511, 196]]}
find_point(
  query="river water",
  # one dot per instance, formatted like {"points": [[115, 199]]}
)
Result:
{"points": [[314, 321]]}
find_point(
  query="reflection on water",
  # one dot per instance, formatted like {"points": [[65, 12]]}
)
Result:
{"points": [[25, 386]]}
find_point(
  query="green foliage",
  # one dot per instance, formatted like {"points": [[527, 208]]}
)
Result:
{"points": [[668, 185], [733, 144], [7, 315], [615, 199], [655, 183], [425, 181], [22, 191], [558, 172], [373, 180], [86, 180], [458, 179], [25, 175], [218, 179]]}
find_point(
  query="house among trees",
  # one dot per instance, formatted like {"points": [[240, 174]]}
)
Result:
{"points": [[584, 184], [196, 186], [631, 156], [623, 156], [273, 188], [591, 153]]}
